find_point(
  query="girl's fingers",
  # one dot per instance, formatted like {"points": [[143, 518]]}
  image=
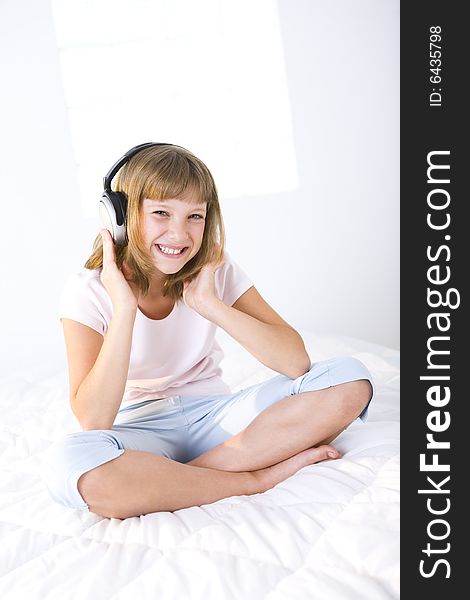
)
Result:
{"points": [[108, 246]]}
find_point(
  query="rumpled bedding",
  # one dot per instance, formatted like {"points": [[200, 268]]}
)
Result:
{"points": [[331, 531]]}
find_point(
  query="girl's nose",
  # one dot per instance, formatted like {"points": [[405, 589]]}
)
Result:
{"points": [[177, 231]]}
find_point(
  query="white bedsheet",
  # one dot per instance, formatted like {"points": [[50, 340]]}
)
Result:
{"points": [[328, 532]]}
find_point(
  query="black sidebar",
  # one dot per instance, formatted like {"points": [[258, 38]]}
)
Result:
{"points": [[435, 321]]}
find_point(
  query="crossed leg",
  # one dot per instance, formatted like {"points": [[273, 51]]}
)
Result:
{"points": [[291, 425], [277, 443]]}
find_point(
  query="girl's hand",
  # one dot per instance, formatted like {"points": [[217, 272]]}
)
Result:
{"points": [[199, 293], [123, 292]]}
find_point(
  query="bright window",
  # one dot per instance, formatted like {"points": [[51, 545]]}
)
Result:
{"points": [[207, 74]]}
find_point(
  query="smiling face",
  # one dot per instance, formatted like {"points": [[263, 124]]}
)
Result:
{"points": [[173, 231], [172, 205]]}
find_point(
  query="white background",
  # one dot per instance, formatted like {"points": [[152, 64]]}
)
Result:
{"points": [[325, 254]]}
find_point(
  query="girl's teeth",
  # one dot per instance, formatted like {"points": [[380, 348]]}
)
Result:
{"points": [[170, 250]]}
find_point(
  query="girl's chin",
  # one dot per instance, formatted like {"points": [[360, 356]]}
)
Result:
{"points": [[168, 270]]}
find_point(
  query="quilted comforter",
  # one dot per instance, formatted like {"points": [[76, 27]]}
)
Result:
{"points": [[328, 532]]}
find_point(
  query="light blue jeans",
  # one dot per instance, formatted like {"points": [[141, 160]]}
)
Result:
{"points": [[181, 427]]}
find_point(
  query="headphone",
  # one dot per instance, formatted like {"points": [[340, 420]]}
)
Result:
{"points": [[113, 205]]}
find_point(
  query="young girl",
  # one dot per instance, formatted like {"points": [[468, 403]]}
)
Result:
{"points": [[160, 428]]}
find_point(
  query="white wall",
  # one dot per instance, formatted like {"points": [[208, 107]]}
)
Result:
{"points": [[334, 244], [326, 256]]}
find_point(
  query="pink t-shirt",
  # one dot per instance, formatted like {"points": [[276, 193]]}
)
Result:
{"points": [[177, 355]]}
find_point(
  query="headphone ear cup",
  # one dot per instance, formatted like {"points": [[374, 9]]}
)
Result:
{"points": [[113, 211]]}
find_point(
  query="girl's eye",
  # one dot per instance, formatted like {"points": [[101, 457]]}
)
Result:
{"points": [[163, 212]]}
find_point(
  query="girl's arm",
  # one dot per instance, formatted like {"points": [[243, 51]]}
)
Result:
{"points": [[261, 331], [98, 369], [251, 321], [98, 366]]}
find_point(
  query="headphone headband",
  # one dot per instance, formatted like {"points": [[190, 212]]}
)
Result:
{"points": [[123, 160]]}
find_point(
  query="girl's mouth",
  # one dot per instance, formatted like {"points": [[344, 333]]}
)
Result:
{"points": [[169, 252]]}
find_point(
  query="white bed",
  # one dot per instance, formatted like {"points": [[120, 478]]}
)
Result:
{"points": [[329, 532]]}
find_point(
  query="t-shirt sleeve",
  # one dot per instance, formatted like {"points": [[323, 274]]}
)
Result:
{"points": [[80, 301], [231, 281]]}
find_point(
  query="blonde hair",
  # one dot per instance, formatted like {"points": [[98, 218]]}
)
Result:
{"points": [[159, 173]]}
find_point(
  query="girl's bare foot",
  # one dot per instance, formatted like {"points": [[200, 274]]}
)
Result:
{"points": [[270, 476]]}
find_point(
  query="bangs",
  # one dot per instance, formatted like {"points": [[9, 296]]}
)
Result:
{"points": [[175, 176]]}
